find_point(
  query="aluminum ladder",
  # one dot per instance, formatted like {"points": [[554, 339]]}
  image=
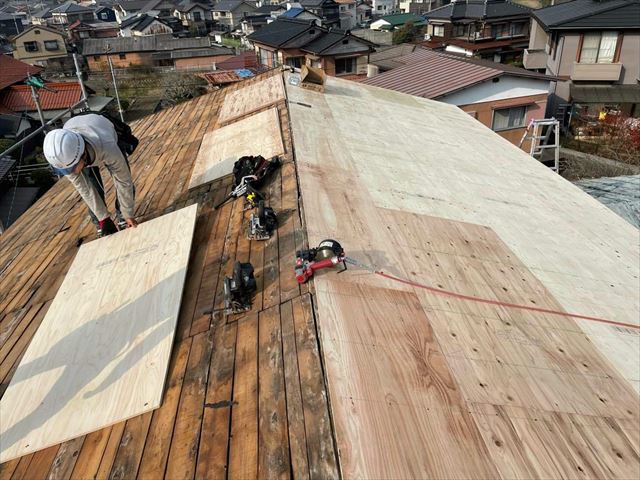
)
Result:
{"points": [[539, 133]]}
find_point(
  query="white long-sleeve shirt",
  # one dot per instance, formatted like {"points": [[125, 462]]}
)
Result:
{"points": [[99, 132]]}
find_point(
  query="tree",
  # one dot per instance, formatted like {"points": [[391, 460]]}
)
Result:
{"points": [[406, 33], [183, 87]]}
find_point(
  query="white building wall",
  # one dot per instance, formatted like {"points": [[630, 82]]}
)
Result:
{"points": [[506, 87]]}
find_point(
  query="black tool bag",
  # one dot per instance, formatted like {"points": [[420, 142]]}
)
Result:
{"points": [[254, 165], [127, 141]]}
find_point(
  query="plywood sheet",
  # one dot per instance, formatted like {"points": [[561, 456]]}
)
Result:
{"points": [[101, 353], [258, 134], [417, 379], [251, 98]]}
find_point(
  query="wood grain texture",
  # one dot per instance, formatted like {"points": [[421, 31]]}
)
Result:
{"points": [[140, 447], [429, 386], [248, 100], [257, 134], [102, 351]]}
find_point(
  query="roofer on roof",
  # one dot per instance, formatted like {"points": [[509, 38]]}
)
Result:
{"points": [[76, 151]]}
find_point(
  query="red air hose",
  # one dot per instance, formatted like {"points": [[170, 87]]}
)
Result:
{"points": [[488, 301]]}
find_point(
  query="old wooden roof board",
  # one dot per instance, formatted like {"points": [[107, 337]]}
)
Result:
{"points": [[102, 351], [454, 206], [218, 400]]}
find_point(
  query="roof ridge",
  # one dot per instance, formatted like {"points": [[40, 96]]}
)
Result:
{"points": [[623, 3]]}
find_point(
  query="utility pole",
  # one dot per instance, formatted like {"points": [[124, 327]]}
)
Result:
{"points": [[36, 100], [35, 83], [80, 80], [115, 86]]}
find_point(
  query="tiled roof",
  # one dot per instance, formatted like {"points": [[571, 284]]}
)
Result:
{"points": [[590, 14], [71, 7], [478, 9], [230, 5], [18, 97], [280, 31], [431, 74], [14, 71]]}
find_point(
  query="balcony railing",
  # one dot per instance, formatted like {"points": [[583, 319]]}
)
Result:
{"points": [[534, 59], [596, 71]]}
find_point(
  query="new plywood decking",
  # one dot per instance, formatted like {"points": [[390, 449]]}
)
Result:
{"points": [[429, 386], [102, 351], [257, 134], [244, 101]]}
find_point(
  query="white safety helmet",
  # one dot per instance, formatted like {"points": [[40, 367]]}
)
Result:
{"points": [[63, 150]]}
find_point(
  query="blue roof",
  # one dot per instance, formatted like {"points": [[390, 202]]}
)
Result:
{"points": [[292, 12]]}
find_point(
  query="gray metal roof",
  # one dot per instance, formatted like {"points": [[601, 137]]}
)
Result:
{"points": [[620, 194], [145, 43], [584, 14]]}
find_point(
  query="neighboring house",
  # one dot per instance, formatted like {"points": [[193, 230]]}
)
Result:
{"points": [[496, 30], [57, 97], [125, 8], [383, 7], [13, 71], [10, 25], [70, 12], [502, 97], [39, 44], [348, 17], [420, 7], [79, 31], [595, 46], [143, 24], [229, 13], [301, 14], [398, 20], [42, 17], [296, 43], [106, 14], [327, 10], [153, 50], [192, 12], [363, 12]]}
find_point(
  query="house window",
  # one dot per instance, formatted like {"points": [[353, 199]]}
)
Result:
{"points": [[295, 62], [459, 30], [222, 14], [507, 118], [379, 7], [51, 45], [122, 56], [438, 30], [518, 28], [500, 30], [267, 57], [31, 46], [599, 47], [37, 32], [197, 16], [96, 58], [104, 16], [345, 66]]}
